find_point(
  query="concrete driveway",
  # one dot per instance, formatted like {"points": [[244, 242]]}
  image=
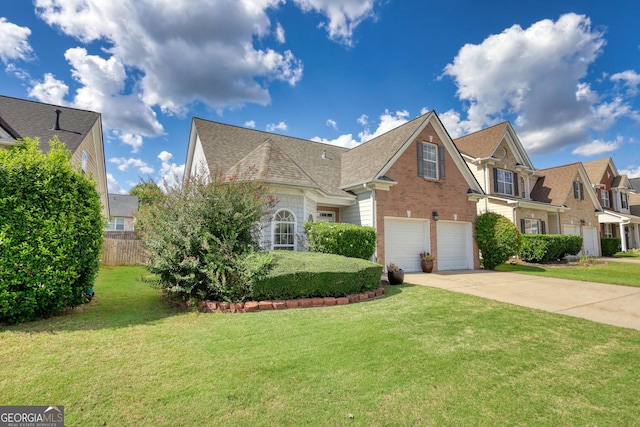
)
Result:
{"points": [[610, 304]]}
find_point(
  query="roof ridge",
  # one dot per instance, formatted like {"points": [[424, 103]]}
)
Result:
{"points": [[49, 104]]}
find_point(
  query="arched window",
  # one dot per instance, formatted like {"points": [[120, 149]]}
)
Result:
{"points": [[284, 230]]}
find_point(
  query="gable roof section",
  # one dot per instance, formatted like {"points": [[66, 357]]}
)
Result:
{"points": [[635, 184], [229, 148], [596, 169], [556, 185], [35, 119], [483, 143]]}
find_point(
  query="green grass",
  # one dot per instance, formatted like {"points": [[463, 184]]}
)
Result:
{"points": [[615, 273], [633, 253], [419, 356]]}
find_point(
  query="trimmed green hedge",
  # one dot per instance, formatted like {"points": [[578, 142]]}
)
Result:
{"points": [[549, 247], [350, 240], [610, 245], [498, 239], [305, 275]]}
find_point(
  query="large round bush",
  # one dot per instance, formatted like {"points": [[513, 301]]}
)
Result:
{"points": [[498, 239], [50, 232]]}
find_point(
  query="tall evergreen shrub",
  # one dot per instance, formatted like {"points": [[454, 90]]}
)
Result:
{"points": [[498, 239]]}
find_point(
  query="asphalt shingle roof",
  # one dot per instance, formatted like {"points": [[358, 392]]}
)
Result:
{"points": [[556, 184], [483, 143], [35, 119], [596, 169]]}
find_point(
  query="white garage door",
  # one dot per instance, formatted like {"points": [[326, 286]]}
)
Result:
{"points": [[590, 236], [571, 229], [404, 239], [455, 245]]}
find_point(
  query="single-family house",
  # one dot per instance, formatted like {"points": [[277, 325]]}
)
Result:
{"points": [[569, 186], [123, 209], [614, 191], [410, 184], [501, 165], [79, 130], [634, 198]]}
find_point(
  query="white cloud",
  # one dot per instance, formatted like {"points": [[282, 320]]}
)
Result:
{"points": [[113, 186], [135, 141], [250, 124], [534, 75], [631, 171], [170, 173], [332, 124], [628, 78], [343, 16], [388, 121], [50, 90], [124, 164], [272, 127], [280, 33], [598, 147], [14, 44], [218, 62]]}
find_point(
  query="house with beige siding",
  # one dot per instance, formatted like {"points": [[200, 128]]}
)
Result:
{"points": [[410, 184], [79, 130]]}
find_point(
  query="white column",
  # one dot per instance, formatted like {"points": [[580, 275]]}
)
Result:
{"points": [[623, 240]]}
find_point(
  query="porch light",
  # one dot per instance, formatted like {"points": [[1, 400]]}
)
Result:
{"points": [[435, 215]]}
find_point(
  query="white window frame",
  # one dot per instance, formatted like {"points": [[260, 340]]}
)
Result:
{"points": [[326, 216], [624, 201], [429, 160], [280, 222], [604, 195], [116, 224], [608, 230], [532, 226], [501, 176]]}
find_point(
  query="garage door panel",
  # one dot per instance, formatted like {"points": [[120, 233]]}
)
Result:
{"points": [[455, 246], [404, 240], [590, 235]]}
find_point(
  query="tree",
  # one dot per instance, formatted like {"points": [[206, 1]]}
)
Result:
{"points": [[498, 239], [199, 234], [50, 232], [147, 191]]}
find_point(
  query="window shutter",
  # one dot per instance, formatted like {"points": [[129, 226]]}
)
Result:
{"points": [[441, 160], [420, 160], [495, 180], [575, 190], [522, 225], [516, 192], [543, 227], [581, 191]]}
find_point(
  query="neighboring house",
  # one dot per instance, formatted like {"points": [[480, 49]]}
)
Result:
{"points": [[634, 198], [614, 191], [569, 186], [411, 184], [123, 209], [79, 130], [502, 167]]}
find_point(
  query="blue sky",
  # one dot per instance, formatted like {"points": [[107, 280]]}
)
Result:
{"points": [[565, 73]]}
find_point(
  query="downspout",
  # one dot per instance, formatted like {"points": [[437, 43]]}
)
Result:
{"points": [[486, 186], [373, 214]]}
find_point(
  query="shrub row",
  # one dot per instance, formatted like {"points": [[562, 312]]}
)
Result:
{"points": [[305, 275], [610, 245], [549, 247], [348, 240]]}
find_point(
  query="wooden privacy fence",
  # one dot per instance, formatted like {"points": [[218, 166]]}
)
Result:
{"points": [[122, 248]]}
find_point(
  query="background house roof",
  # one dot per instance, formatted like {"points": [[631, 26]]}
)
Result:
{"points": [[483, 143], [556, 184], [123, 205], [635, 184], [34, 119], [596, 169]]}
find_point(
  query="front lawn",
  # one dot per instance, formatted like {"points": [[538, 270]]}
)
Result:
{"points": [[418, 356], [616, 273]]}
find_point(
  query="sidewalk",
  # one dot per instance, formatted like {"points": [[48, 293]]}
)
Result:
{"points": [[610, 304]]}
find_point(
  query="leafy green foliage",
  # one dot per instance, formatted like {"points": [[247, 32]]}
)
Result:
{"points": [[498, 239], [50, 232], [147, 191], [348, 240], [199, 234], [307, 274], [610, 245], [549, 247]]}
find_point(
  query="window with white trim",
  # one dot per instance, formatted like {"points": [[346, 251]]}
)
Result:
{"points": [[116, 224], [284, 230], [578, 190], [326, 216], [624, 199], [504, 182], [532, 226], [429, 160], [604, 195], [608, 230]]}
